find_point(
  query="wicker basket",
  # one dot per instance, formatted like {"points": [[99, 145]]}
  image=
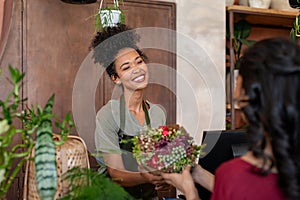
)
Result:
{"points": [[73, 153]]}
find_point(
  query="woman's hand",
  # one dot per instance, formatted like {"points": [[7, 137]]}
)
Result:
{"points": [[152, 177], [184, 182]]}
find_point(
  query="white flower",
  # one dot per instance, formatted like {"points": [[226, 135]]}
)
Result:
{"points": [[3, 126]]}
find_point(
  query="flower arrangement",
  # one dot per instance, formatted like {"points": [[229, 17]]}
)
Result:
{"points": [[167, 149]]}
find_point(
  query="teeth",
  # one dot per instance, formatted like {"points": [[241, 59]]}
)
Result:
{"points": [[139, 78]]}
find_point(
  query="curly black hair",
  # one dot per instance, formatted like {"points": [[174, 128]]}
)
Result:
{"points": [[270, 70], [107, 43]]}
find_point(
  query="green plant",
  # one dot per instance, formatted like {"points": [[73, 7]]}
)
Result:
{"points": [[34, 127], [242, 30], [295, 32], [89, 184], [104, 16]]}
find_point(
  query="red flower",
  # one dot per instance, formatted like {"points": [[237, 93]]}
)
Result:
{"points": [[165, 130]]}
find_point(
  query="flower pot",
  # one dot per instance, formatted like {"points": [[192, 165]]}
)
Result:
{"points": [[229, 2], [109, 17], [243, 2], [282, 5], [260, 3]]}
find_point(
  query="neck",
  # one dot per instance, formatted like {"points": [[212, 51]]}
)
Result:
{"points": [[134, 101], [250, 158]]}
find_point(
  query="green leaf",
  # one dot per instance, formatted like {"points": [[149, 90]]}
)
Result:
{"points": [[16, 76], [45, 155], [293, 35], [242, 29], [246, 42]]}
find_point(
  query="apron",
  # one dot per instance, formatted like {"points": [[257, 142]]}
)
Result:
{"points": [[144, 191]]}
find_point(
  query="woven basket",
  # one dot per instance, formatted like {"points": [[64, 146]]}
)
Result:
{"points": [[73, 153]]}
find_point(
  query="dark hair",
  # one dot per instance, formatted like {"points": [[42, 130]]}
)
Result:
{"points": [[110, 41], [271, 78]]}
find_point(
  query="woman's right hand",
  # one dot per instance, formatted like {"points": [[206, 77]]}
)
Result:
{"points": [[184, 182]]}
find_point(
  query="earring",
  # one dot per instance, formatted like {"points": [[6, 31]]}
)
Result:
{"points": [[118, 82]]}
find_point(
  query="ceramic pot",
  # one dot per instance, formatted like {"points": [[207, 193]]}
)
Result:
{"points": [[110, 17], [243, 2], [229, 2], [282, 5], [260, 3]]}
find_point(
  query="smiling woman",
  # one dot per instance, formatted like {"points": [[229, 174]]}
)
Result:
{"points": [[5, 18], [120, 119]]}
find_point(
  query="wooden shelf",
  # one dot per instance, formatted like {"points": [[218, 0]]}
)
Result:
{"points": [[264, 17], [280, 19]]}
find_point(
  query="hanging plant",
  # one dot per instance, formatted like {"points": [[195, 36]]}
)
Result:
{"points": [[109, 16]]}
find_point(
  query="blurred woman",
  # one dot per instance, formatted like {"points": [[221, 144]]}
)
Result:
{"points": [[269, 98]]}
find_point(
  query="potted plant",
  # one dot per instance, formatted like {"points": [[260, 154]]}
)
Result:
{"points": [[295, 32], [109, 16], [242, 30], [34, 127]]}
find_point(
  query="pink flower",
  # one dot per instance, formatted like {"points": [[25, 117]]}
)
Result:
{"points": [[153, 162]]}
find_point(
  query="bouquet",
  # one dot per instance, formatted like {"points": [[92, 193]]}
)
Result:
{"points": [[167, 149]]}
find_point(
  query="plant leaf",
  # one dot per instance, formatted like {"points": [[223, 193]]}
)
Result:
{"points": [[45, 155]]}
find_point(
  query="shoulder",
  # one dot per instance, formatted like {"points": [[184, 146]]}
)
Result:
{"points": [[109, 111], [156, 108], [232, 167]]}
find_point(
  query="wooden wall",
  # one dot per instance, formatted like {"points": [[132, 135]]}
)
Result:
{"points": [[49, 40]]}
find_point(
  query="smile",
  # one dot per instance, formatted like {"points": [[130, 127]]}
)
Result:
{"points": [[139, 78]]}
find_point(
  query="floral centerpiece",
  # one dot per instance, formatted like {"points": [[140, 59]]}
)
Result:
{"points": [[167, 149]]}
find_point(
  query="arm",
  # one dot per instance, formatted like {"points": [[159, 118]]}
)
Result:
{"points": [[203, 177]]}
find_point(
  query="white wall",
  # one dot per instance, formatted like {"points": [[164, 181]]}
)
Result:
{"points": [[200, 65]]}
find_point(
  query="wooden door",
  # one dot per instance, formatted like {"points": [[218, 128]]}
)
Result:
{"points": [[11, 54], [48, 40]]}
